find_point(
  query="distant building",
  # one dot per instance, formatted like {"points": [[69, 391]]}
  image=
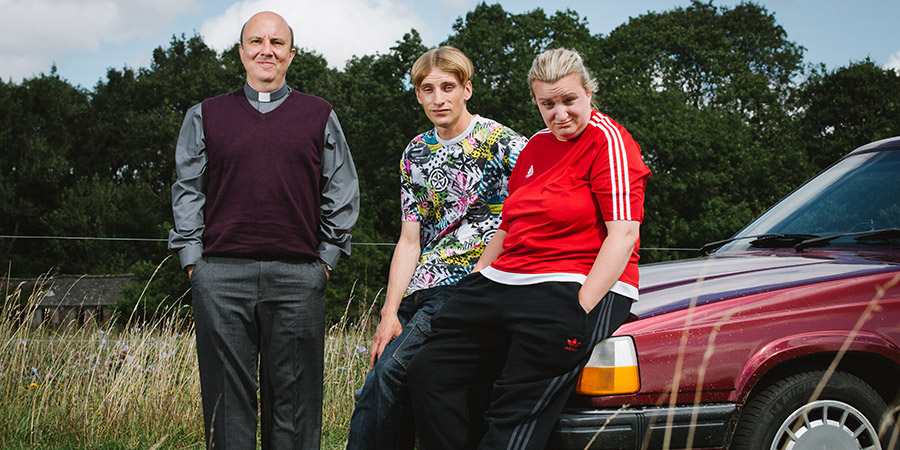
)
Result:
{"points": [[70, 298]]}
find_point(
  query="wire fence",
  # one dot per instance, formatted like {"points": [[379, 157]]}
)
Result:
{"points": [[371, 244]]}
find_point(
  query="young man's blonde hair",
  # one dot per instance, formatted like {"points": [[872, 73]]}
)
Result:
{"points": [[553, 65], [445, 58]]}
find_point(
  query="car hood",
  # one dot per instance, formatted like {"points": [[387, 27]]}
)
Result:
{"points": [[671, 286]]}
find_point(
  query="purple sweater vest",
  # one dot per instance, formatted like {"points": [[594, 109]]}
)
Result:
{"points": [[264, 171]]}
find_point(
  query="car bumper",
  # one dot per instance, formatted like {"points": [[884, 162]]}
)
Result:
{"points": [[629, 428]]}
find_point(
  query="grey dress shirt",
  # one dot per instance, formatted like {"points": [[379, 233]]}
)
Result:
{"points": [[340, 187]]}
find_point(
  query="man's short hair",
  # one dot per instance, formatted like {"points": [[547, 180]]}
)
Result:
{"points": [[241, 38], [445, 58]]}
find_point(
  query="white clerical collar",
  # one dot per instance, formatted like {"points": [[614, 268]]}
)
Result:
{"points": [[265, 97]]}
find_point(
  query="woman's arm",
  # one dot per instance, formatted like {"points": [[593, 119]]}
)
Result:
{"points": [[610, 263], [491, 251]]}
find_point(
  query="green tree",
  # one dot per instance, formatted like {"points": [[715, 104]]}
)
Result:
{"points": [[44, 121], [704, 91], [96, 207], [379, 114], [502, 46], [847, 107], [736, 58], [139, 114], [715, 96]]}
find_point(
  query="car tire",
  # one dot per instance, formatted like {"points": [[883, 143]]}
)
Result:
{"points": [[847, 414]]}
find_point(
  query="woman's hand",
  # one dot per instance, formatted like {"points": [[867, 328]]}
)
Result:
{"points": [[589, 300]]}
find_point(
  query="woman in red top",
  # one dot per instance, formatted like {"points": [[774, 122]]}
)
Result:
{"points": [[558, 276]]}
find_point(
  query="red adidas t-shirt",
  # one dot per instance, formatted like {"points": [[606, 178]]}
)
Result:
{"points": [[561, 193]]}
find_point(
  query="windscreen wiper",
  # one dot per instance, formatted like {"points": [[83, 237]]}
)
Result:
{"points": [[779, 240], [860, 236], [768, 240]]}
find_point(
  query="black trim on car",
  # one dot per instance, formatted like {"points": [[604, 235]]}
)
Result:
{"points": [[626, 428]]}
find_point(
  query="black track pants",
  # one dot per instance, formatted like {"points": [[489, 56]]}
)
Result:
{"points": [[530, 341]]}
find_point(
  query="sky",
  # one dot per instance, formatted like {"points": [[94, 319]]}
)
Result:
{"points": [[84, 38]]}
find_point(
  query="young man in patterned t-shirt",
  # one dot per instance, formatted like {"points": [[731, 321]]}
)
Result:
{"points": [[454, 179]]}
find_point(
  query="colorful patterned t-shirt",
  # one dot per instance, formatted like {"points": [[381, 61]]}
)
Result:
{"points": [[455, 189]]}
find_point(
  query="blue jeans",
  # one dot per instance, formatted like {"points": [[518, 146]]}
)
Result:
{"points": [[383, 417]]}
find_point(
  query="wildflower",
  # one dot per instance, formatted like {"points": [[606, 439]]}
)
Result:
{"points": [[100, 331], [33, 385]]}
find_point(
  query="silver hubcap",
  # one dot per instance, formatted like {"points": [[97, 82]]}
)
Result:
{"points": [[826, 425]]}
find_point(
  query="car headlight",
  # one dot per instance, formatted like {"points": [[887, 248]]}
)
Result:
{"points": [[612, 369]]}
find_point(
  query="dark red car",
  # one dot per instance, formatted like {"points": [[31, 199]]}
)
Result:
{"points": [[787, 336]]}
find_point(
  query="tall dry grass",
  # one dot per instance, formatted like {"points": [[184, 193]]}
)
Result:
{"points": [[136, 385], [346, 366], [92, 385], [96, 385]]}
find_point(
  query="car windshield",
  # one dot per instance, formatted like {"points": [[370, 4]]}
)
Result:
{"points": [[859, 193]]}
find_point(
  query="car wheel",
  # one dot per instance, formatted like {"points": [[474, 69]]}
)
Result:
{"points": [[846, 415]]}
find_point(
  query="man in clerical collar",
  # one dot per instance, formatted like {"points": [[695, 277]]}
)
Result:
{"points": [[263, 211]]}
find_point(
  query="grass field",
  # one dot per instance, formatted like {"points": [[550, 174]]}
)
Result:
{"points": [[134, 385]]}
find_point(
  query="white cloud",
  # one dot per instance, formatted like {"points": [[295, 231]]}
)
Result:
{"points": [[336, 29], [457, 5], [33, 33], [15, 67], [894, 62]]}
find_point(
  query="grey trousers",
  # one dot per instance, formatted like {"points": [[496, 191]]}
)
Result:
{"points": [[260, 325]]}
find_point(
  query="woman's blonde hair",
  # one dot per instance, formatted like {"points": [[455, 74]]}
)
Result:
{"points": [[553, 65], [445, 58]]}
